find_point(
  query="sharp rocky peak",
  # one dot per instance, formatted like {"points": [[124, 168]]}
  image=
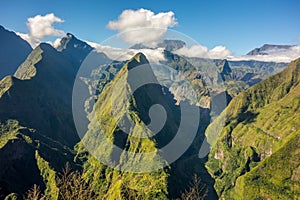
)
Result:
{"points": [[70, 41]]}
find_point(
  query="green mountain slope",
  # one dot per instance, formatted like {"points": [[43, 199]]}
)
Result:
{"points": [[256, 150], [38, 132], [24, 153], [146, 185], [108, 117]]}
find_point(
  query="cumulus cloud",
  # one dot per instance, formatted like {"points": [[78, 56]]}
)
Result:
{"points": [[40, 27], [221, 52], [274, 55], [199, 51], [153, 55], [112, 52], [143, 26]]}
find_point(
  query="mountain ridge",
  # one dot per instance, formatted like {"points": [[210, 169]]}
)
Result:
{"points": [[257, 123], [13, 51], [263, 50]]}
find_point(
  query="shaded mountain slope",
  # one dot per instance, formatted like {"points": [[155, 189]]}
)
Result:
{"points": [[13, 51], [106, 128], [27, 158], [46, 98], [39, 97]]}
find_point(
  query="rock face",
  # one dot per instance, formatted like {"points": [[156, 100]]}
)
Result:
{"points": [[13, 51], [225, 72], [255, 140], [267, 48]]}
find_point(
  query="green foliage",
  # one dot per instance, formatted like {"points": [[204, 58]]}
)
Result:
{"points": [[255, 140], [276, 177], [12, 196], [111, 106], [49, 175]]}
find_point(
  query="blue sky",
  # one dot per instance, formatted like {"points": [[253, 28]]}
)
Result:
{"points": [[239, 25]]}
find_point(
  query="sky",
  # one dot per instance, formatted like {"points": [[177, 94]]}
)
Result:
{"points": [[239, 25]]}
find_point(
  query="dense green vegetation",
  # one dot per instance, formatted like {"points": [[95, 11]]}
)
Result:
{"points": [[257, 141]]}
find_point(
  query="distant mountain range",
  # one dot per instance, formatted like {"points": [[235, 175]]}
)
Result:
{"points": [[169, 45], [267, 48]]}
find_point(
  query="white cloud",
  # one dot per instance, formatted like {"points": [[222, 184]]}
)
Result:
{"points": [[31, 40], [153, 55], [40, 27], [221, 52], [56, 43], [111, 52], [218, 52], [143, 26], [274, 55]]}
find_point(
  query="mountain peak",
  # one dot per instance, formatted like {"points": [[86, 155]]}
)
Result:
{"points": [[168, 45], [136, 60], [225, 72], [266, 48], [14, 51], [70, 41], [70, 35], [225, 68], [172, 45]]}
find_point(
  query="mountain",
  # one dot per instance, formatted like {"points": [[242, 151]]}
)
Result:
{"points": [[268, 48], [172, 45], [139, 46], [168, 45], [151, 182], [225, 72], [13, 51], [37, 127], [256, 151], [255, 154]]}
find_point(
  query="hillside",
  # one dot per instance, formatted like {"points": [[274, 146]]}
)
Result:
{"points": [[255, 153], [133, 152], [13, 51], [36, 116]]}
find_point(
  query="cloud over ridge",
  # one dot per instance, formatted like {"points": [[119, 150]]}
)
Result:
{"points": [[41, 26], [143, 26], [199, 51]]}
